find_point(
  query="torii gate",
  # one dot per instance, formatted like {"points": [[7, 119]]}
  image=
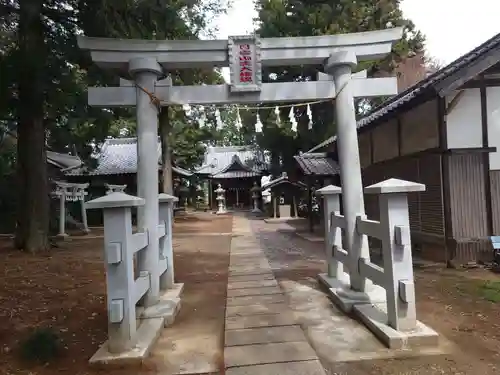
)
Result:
{"points": [[145, 61]]}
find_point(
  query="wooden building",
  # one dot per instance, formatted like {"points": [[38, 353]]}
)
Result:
{"points": [[443, 132], [318, 170], [285, 195], [235, 168], [117, 165]]}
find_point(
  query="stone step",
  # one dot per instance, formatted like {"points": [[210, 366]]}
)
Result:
{"points": [[255, 300], [237, 267], [248, 310], [252, 277], [254, 254], [260, 320], [288, 368], [251, 284], [246, 251], [246, 355], [248, 261], [254, 291], [249, 271], [263, 335]]}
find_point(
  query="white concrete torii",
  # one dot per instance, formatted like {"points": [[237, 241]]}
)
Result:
{"points": [[145, 61]]}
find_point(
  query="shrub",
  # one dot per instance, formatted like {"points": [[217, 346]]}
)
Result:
{"points": [[42, 345]]}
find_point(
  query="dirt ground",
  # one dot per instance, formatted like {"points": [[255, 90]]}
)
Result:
{"points": [[463, 306], [65, 290]]}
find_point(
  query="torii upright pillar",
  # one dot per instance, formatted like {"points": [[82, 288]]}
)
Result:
{"points": [[145, 72], [340, 65]]}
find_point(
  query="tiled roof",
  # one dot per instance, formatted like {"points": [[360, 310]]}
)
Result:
{"points": [[317, 164], [221, 159], [236, 174], [63, 161], [119, 156], [427, 86], [283, 180]]}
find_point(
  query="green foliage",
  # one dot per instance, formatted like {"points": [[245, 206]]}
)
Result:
{"points": [[490, 290], [44, 78], [277, 18], [42, 345], [72, 125]]}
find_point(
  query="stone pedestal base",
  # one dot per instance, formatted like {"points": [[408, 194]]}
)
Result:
{"points": [[168, 306], [345, 298], [332, 283], [256, 211], [150, 323], [374, 317], [277, 220]]}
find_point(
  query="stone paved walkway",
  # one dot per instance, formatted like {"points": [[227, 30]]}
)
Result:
{"points": [[261, 334]]}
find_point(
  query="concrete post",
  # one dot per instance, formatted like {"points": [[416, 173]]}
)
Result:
{"points": [[145, 72], [331, 204], [340, 65], [396, 248], [166, 213], [84, 215], [62, 212], [118, 253], [294, 205], [275, 206]]}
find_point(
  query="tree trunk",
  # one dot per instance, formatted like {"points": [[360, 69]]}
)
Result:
{"points": [[33, 202], [166, 154]]}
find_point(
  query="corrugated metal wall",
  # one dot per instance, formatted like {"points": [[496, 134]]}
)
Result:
{"points": [[495, 200], [467, 200], [468, 207], [467, 194]]}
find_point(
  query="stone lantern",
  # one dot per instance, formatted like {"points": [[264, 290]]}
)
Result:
{"points": [[221, 200], [255, 190]]}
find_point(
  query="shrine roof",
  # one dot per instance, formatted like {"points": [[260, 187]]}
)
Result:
{"points": [[224, 162], [119, 156], [63, 161], [318, 164], [283, 180], [236, 174], [439, 83]]}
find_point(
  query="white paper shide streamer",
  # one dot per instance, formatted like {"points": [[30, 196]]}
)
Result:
{"points": [[238, 124], [218, 121], [187, 109], [293, 120], [258, 125], [203, 118], [277, 113], [309, 116]]}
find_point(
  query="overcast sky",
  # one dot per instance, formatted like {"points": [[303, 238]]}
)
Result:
{"points": [[452, 27]]}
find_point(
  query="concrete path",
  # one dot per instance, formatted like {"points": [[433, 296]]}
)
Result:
{"points": [[261, 333]]}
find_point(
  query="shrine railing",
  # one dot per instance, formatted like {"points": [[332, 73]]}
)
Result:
{"points": [[125, 288], [393, 230]]}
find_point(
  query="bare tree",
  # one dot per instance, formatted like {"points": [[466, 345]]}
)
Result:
{"points": [[433, 64]]}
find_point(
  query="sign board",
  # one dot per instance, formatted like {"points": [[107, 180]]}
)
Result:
{"points": [[245, 66]]}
